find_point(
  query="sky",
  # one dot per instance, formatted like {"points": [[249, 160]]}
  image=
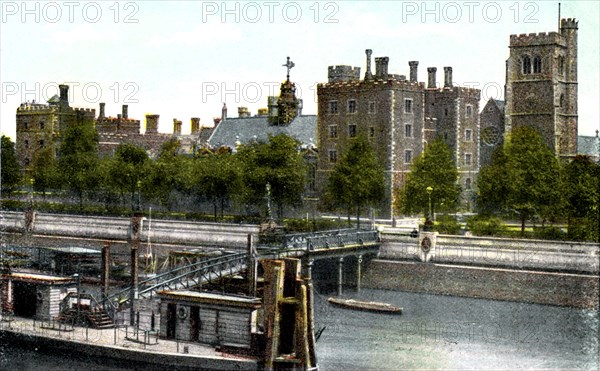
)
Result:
{"points": [[183, 59]]}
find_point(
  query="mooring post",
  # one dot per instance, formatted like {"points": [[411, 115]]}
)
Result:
{"points": [[340, 275], [358, 272]]}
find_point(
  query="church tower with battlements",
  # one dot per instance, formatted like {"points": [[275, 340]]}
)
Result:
{"points": [[541, 86]]}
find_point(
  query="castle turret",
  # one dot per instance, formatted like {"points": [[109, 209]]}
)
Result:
{"points": [[64, 95]]}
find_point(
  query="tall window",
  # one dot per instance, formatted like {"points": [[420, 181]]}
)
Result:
{"points": [[26, 143], [42, 125], [352, 130], [468, 135], [408, 131], [332, 155], [333, 109], [408, 108], [41, 143], [468, 159], [408, 156], [372, 108], [469, 110], [526, 65], [371, 131], [333, 131], [561, 64], [468, 183], [351, 106], [562, 100], [537, 65]]}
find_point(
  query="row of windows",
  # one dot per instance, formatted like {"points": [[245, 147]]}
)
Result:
{"points": [[25, 125], [372, 107], [408, 132], [527, 64], [40, 143], [408, 157]]}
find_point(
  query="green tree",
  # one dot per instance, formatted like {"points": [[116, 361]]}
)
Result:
{"points": [[492, 186], [127, 169], [581, 187], [357, 180], [218, 177], [78, 156], [433, 168], [10, 174], [278, 163], [44, 171], [525, 180], [167, 174]]}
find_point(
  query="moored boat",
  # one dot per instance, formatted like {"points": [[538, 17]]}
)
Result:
{"points": [[370, 306]]}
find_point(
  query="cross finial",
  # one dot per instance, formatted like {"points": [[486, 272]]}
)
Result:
{"points": [[289, 64]]}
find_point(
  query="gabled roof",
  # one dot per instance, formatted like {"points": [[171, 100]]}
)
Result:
{"points": [[589, 146], [231, 130], [55, 99], [500, 104]]}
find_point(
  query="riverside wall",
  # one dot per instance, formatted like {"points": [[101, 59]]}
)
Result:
{"points": [[541, 272]]}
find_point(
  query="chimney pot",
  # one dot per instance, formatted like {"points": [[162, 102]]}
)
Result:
{"points": [[101, 114], [125, 111]]}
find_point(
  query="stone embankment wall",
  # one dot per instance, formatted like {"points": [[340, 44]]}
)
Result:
{"points": [[544, 272], [118, 229]]}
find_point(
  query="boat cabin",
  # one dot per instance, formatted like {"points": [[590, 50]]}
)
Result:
{"points": [[222, 320], [31, 295]]}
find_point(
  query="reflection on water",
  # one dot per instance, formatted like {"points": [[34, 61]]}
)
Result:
{"points": [[450, 332]]}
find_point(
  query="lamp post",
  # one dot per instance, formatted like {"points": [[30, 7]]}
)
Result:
{"points": [[139, 189], [78, 278], [429, 190]]}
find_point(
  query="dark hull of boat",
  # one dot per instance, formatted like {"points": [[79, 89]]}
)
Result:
{"points": [[368, 306]]}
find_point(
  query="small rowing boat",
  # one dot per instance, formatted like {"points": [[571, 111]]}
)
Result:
{"points": [[370, 306]]}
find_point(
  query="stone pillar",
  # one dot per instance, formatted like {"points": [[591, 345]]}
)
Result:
{"points": [[431, 77], [413, 70], [340, 275]]}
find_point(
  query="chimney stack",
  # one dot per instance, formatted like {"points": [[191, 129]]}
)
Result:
{"points": [[64, 94], [447, 77], [124, 110], [431, 77], [176, 127], [384, 67], [368, 74], [413, 70], [152, 124], [195, 125], [101, 114], [224, 112], [243, 112], [300, 106], [378, 67]]}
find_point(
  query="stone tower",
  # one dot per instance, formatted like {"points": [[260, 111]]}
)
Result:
{"points": [[541, 86]]}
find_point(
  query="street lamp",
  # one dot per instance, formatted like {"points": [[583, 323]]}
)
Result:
{"points": [[429, 190], [139, 188], [78, 278]]}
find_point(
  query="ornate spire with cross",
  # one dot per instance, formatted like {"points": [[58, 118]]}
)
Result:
{"points": [[289, 64]]}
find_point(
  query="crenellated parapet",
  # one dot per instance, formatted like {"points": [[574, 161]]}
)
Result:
{"points": [[41, 108], [343, 73], [540, 38], [569, 23]]}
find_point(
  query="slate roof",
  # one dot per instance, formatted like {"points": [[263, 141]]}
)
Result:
{"points": [[247, 129], [500, 104], [588, 146]]}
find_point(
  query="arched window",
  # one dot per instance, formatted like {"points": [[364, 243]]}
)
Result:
{"points": [[526, 65], [537, 65]]}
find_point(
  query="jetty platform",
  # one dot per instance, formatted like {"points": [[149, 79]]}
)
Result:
{"points": [[121, 343]]}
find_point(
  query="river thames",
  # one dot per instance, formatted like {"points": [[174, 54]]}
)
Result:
{"points": [[434, 332]]}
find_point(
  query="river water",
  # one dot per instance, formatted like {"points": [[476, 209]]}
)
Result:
{"points": [[434, 332]]}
